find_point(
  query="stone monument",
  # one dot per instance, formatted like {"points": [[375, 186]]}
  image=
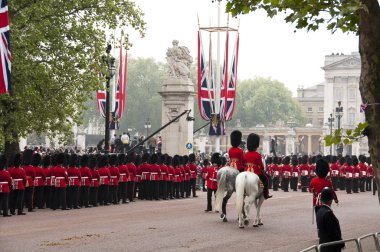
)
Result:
{"points": [[177, 94]]}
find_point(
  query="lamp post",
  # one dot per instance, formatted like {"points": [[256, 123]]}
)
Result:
{"points": [[330, 120], [147, 126], [339, 115], [109, 72]]}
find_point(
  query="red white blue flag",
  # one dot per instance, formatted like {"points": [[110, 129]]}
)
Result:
{"points": [[5, 49], [121, 85], [231, 90]]}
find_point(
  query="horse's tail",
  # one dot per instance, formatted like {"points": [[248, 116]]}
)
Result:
{"points": [[219, 195], [241, 180]]}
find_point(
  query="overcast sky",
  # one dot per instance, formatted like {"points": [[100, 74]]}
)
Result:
{"points": [[268, 47]]}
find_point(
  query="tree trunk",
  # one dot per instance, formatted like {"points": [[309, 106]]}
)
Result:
{"points": [[369, 48], [11, 147]]}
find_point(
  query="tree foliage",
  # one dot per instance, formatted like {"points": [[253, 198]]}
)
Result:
{"points": [[265, 101], [56, 47]]}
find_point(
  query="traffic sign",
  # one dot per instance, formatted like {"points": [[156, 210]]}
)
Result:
{"points": [[189, 146]]}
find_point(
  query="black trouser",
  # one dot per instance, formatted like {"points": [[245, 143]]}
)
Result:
{"points": [[48, 196], [348, 185], [294, 183], [374, 186], [193, 186], [131, 190], [164, 189], [342, 183], [122, 195], [304, 183], [182, 189], [276, 181], [334, 181], [270, 182], [264, 180], [362, 184], [368, 183], [29, 193], [59, 198], [170, 189], [39, 197], [4, 199], [16, 201], [209, 198], [204, 185], [72, 196], [155, 189], [84, 195], [103, 194], [94, 196], [138, 188], [355, 185], [176, 189], [186, 187], [113, 194], [285, 184]]}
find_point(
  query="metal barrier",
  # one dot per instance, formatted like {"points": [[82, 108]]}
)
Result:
{"points": [[375, 239], [357, 241]]}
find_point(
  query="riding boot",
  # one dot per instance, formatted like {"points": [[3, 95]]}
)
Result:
{"points": [[266, 194]]}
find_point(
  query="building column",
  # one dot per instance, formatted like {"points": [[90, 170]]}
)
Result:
{"points": [[309, 138], [290, 143], [266, 145]]}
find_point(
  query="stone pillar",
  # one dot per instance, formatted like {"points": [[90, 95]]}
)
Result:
{"points": [[290, 143], [266, 144], [309, 148]]}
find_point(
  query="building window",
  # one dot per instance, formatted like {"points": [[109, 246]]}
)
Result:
{"points": [[351, 119], [351, 94], [320, 109], [309, 110], [338, 94], [320, 121]]}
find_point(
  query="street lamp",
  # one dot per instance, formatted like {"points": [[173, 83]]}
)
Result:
{"points": [[147, 126], [330, 120], [109, 61], [339, 115], [291, 123]]}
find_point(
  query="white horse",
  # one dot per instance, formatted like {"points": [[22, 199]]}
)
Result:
{"points": [[226, 177], [247, 185]]}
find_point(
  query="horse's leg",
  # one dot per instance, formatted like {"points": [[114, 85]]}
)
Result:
{"points": [[224, 206], [248, 209], [259, 204]]}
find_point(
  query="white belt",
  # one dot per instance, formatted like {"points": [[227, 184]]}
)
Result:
{"points": [[84, 177], [47, 177], [113, 176], [59, 177], [163, 173], [154, 173], [94, 179], [74, 177], [103, 176], [3, 183], [37, 177], [144, 172], [214, 179], [123, 174], [18, 179]]}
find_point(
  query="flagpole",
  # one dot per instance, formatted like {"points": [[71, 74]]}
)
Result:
{"points": [[217, 80]]}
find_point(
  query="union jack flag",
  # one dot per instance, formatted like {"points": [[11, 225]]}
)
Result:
{"points": [[121, 86], [231, 90], [5, 49], [101, 98]]}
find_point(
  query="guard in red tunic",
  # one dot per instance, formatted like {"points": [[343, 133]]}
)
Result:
{"points": [[5, 185], [254, 161], [132, 171], [363, 173], [312, 168], [193, 174], [114, 181], [138, 178], [204, 169], [286, 171], [295, 174], [276, 173], [60, 183], [94, 185], [18, 186], [123, 180], [27, 158], [171, 173], [342, 173], [39, 182], [74, 182], [104, 180], [145, 176], [155, 174], [334, 171], [164, 177], [304, 172], [186, 183], [48, 196], [177, 174], [236, 154], [357, 175], [268, 164], [320, 182], [370, 177], [85, 182], [211, 178], [349, 171]]}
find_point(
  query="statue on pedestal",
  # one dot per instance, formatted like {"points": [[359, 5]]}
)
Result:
{"points": [[179, 61]]}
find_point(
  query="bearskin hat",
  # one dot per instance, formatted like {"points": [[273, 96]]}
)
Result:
{"points": [[46, 161], [130, 157], [368, 160], [215, 159], [17, 160], [3, 162], [153, 159], [84, 160], [168, 160], [223, 161], [162, 159], [60, 158], [253, 142], [206, 162], [321, 168], [112, 160], [286, 160], [185, 159], [92, 162], [275, 160], [27, 157], [355, 160], [138, 160], [362, 158], [268, 160], [235, 138], [294, 161], [66, 160], [305, 159], [175, 161], [192, 158], [145, 157], [73, 159], [103, 161], [334, 159], [348, 160], [36, 159], [121, 158]]}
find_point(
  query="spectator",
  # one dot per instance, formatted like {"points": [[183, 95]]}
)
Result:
{"points": [[159, 144], [152, 143], [125, 142]]}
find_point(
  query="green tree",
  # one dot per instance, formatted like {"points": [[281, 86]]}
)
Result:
{"points": [[56, 47], [264, 101], [359, 16]]}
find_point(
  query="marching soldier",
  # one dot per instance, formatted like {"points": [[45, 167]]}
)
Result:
{"points": [[342, 173], [182, 177], [85, 182], [295, 173], [94, 185], [186, 183], [39, 182], [155, 175], [286, 173], [74, 182], [304, 170], [18, 186], [138, 178], [171, 173], [357, 175], [60, 183], [123, 180], [48, 195], [235, 153], [132, 171], [114, 181], [276, 173], [369, 175], [104, 180], [363, 172], [269, 171], [193, 174], [312, 168], [164, 177], [145, 176], [5, 185], [349, 171], [204, 169], [177, 174], [30, 176], [212, 183], [334, 171]]}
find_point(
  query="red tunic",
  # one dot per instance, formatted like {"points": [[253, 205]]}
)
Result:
{"points": [[18, 178], [30, 175], [295, 171], [304, 170], [86, 176], [275, 170], [124, 173], [182, 174], [177, 174], [164, 172], [193, 170], [95, 178], [104, 176], [40, 178], [187, 172], [5, 181], [60, 176], [334, 170], [145, 171], [349, 171], [316, 186], [155, 172], [236, 156], [211, 179], [363, 169], [138, 174], [47, 176], [370, 171], [357, 173], [312, 170], [115, 175], [204, 171], [171, 173], [132, 170], [74, 176], [286, 171], [254, 162]]}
